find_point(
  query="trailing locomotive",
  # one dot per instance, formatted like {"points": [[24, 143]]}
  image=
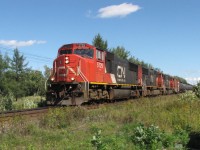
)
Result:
{"points": [[82, 72]]}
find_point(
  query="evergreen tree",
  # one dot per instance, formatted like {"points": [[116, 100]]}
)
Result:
{"points": [[18, 65], [18, 68], [99, 42]]}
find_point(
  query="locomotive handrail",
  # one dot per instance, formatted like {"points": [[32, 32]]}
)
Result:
{"points": [[84, 78]]}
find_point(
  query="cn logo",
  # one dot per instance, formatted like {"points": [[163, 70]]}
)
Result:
{"points": [[121, 72]]}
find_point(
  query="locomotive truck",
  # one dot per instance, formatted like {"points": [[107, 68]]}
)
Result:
{"points": [[82, 73]]}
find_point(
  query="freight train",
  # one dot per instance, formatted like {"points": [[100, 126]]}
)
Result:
{"points": [[83, 73]]}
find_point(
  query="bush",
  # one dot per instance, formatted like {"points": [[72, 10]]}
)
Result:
{"points": [[25, 103], [6, 102], [97, 141], [188, 96], [197, 90], [181, 137], [148, 138], [153, 138]]}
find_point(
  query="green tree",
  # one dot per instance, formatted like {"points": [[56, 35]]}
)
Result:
{"points": [[99, 42], [3, 68], [18, 68], [121, 52], [182, 80], [34, 83], [18, 65], [158, 69], [1, 72], [134, 60]]}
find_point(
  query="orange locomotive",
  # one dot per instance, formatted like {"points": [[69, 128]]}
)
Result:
{"points": [[82, 72]]}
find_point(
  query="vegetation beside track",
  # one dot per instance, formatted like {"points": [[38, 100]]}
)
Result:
{"points": [[8, 102], [166, 120]]}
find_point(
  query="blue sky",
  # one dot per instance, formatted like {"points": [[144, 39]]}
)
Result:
{"points": [[165, 33]]}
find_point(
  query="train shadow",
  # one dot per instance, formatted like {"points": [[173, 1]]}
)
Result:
{"points": [[194, 143]]}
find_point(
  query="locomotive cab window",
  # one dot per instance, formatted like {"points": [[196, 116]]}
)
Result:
{"points": [[100, 55], [88, 53], [66, 51]]}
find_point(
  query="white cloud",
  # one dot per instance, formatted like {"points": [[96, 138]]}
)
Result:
{"points": [[193, 80], [121, 10], [15, 43]]}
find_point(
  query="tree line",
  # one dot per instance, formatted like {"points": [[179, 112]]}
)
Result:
{"points": [[121, 52], [19, 80]]}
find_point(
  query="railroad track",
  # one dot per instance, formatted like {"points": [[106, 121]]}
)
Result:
{"points": [[35, 112], [23, 112], [30, 115]]}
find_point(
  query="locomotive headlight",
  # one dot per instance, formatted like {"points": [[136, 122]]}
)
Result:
{"points": [[52, 79], [66, 60], [72, 79]]}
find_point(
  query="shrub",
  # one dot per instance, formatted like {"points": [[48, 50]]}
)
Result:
{"points": [[29, 104], [181, 136], [26, 103], [153, 138], [188, 96], [148, 138], [6, 102], [97, 141], [197, 90]]}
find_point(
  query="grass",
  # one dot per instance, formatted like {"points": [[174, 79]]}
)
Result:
{"points": [[26, 102], [75, 127]]}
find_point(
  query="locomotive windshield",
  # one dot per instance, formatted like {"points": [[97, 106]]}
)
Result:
{"points": [[89, 53], [66, 51]]}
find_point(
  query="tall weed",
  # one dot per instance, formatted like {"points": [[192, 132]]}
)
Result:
{"points": [[63, 117]]}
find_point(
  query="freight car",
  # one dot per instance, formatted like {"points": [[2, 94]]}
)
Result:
{"points": [[82, 72], [185, 87]]}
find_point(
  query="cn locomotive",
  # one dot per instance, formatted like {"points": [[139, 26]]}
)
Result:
{"points": [[82, 73]]}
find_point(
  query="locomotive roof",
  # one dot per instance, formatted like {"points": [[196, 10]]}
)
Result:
{"points": [[72, 45], [76, 44]]}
